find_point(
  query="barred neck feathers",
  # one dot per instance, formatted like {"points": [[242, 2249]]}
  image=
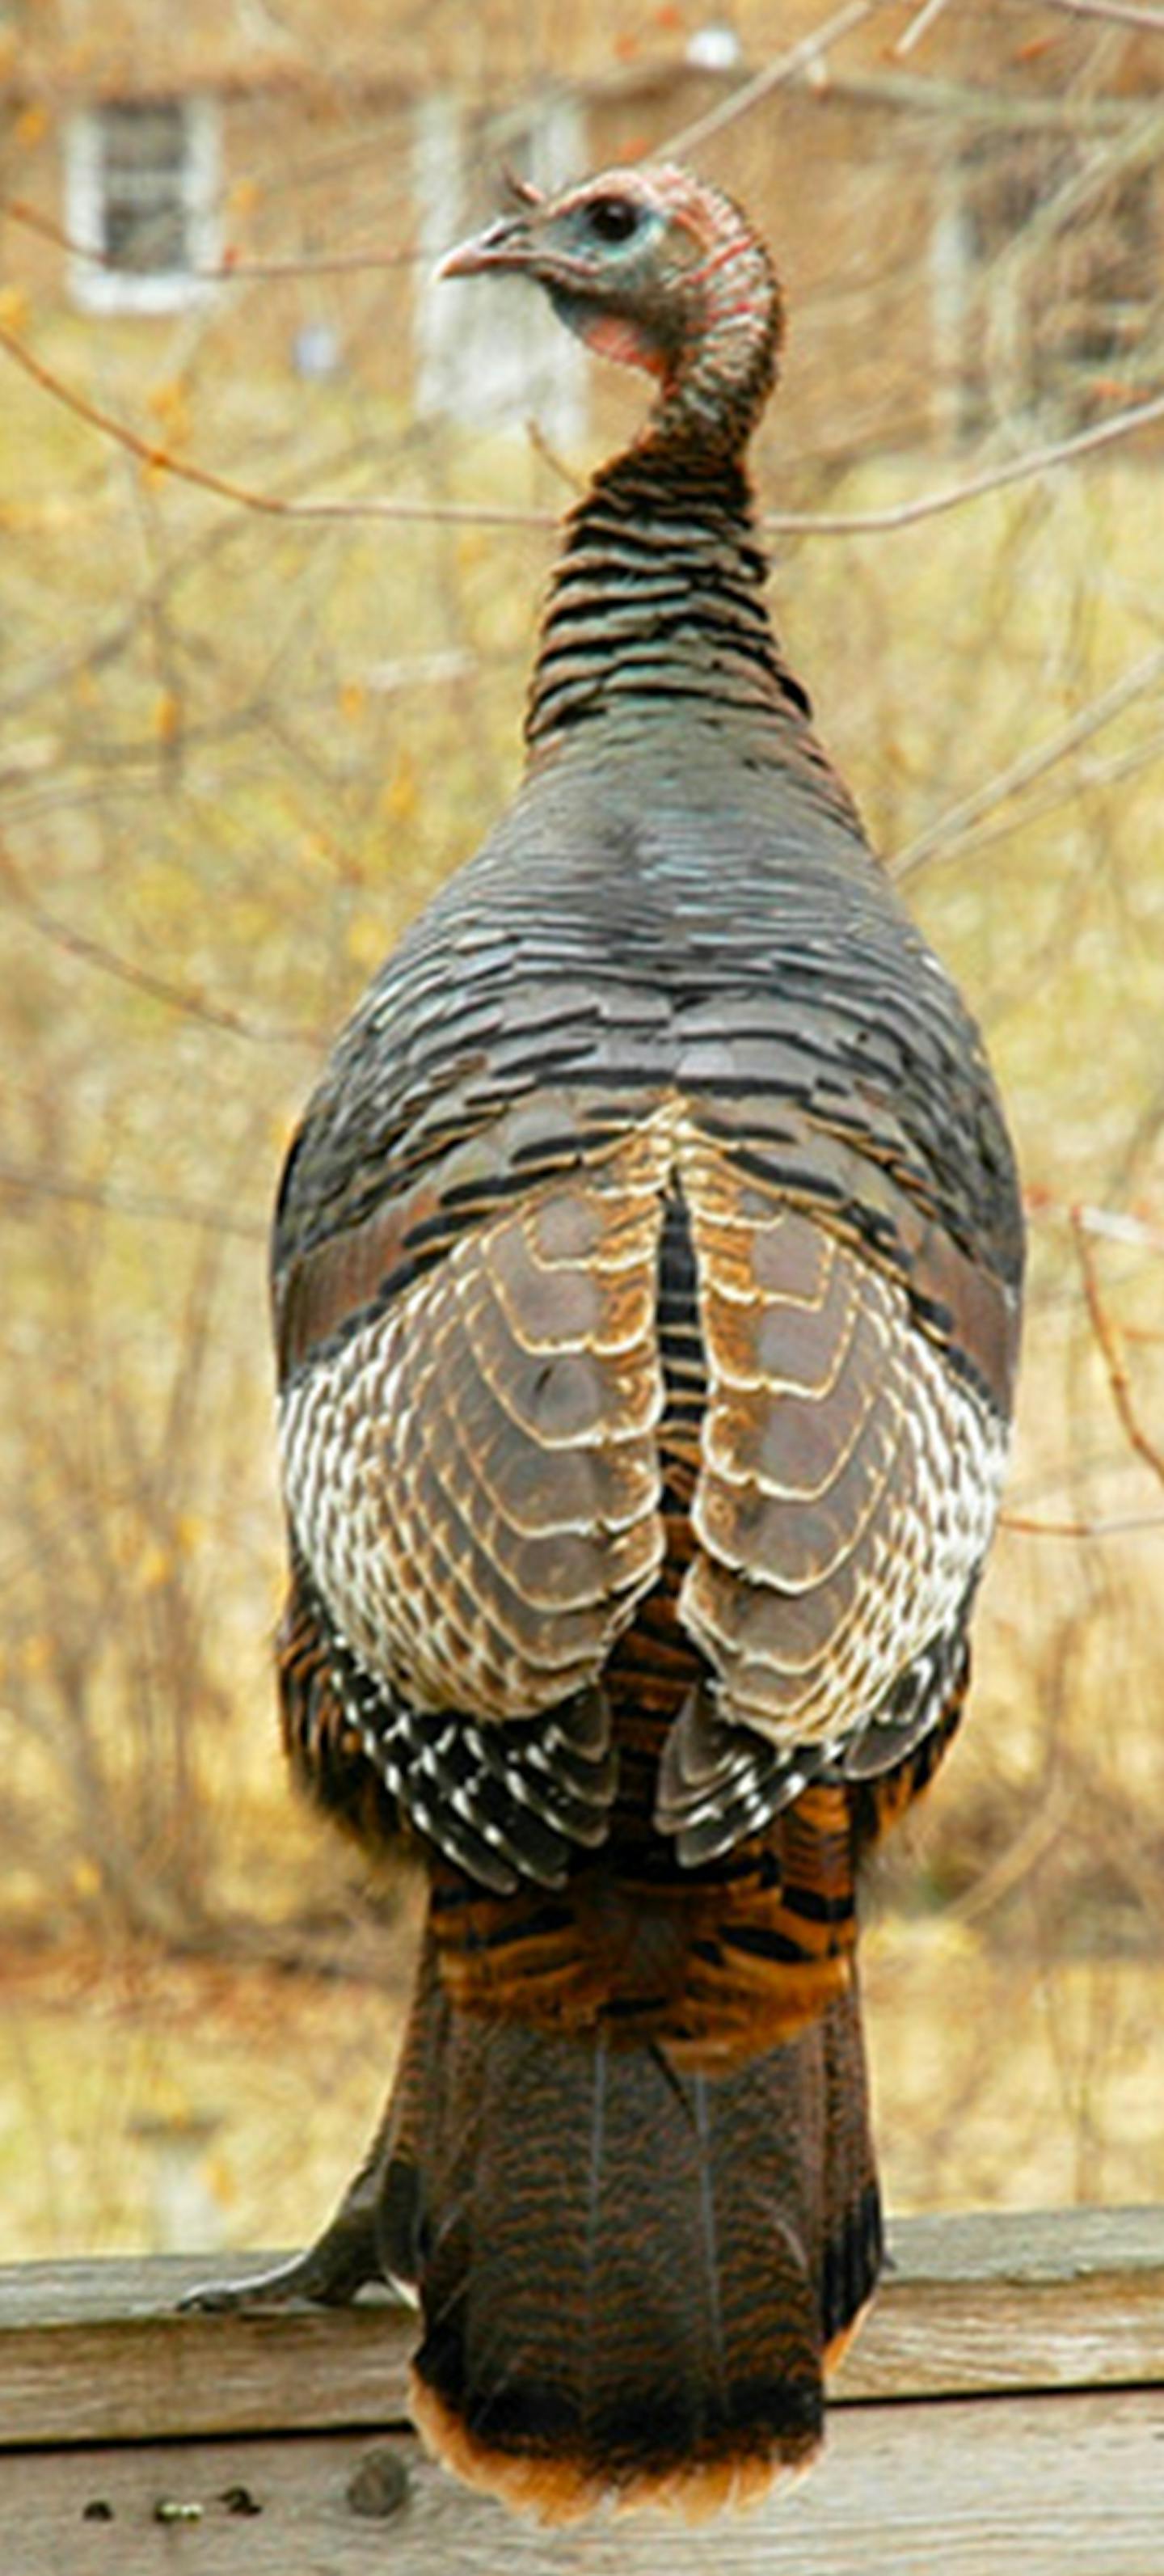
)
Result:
{"points": [[657, 604]]}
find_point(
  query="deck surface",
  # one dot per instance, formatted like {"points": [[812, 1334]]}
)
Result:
{"points": [[1003, 2410]]}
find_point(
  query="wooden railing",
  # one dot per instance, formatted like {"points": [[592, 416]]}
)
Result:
{"points": [[1003, 2410]]}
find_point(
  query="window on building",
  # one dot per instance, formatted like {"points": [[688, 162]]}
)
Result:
{"points": [[142, 182], [486, 350], [1047, 280]]}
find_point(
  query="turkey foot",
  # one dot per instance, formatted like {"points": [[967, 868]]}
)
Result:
{"points": [[333, 2271]]}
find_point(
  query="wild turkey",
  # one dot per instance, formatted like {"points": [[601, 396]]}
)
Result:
{"points": [[646, 1275]]}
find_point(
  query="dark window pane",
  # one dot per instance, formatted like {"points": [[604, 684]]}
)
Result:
{"points": [[145, 238], [144, 152]]}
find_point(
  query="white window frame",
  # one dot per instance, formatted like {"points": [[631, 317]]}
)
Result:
{"points": [[95, 283], [488, 352]]}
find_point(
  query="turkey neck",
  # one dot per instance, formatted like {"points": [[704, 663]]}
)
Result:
{"points": [[656, 607]]}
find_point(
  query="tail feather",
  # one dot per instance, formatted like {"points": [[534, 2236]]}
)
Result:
{"points": [[630, 2273]]}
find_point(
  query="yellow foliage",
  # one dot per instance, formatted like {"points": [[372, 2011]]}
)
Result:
{"points": [[31, 126], [315, 851], [221, 2180], [155, 1567], [125, 1541], [401, 792], [169, 404]]}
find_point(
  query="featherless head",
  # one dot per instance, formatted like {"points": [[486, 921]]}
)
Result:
{"points": [[653, 267]]}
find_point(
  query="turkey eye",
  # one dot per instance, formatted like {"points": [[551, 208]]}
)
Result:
{"points": [[612, 219]]}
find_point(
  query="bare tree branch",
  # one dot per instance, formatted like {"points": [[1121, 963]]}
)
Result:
{"points": [[949, 830], [29, 1181], [223, 272], [1107, 1336], [1119, 13], [1089, 775], [993, 478], [1119, 1525], [901, 514], [799, 58], [161, 460], [94, 952], [927, 17], [1115, 1225]]}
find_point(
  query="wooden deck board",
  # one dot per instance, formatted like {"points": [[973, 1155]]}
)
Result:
{"points": [[1054, 2486], [1003, 2410], [95, 2352]]}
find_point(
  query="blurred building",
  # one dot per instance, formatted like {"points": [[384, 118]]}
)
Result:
{"points": [[968, 204]]}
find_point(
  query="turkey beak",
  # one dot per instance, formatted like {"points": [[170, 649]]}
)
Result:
{"points": [[507, 244]]}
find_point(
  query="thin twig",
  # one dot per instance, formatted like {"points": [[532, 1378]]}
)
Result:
{"points": [[1089, 777], [1116, 1226], [1107, 1337], [160, 460], [1036, 1836], [1120, 1525], [219, 272], [32, 1181], [799, 57], [126, 970], [541, 446], [994, 478], [901, 514], [1120, 13], [947, 831], [918, 27]]}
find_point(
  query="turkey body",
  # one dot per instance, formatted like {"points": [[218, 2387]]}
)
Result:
{"points": [[646, 1279]]}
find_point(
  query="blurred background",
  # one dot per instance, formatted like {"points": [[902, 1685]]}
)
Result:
{"points": [[276, 515]]}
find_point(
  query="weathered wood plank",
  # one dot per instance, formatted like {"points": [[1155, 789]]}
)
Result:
{"points": [[154, 2375], [1038, 2299], [95, 2352], [1061, 2486]]}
